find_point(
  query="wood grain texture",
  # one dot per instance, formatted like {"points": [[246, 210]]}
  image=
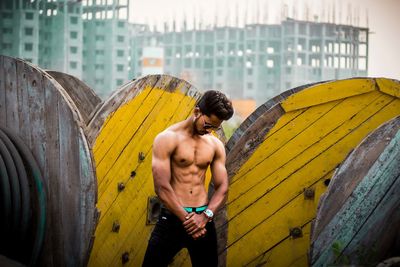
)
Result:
{"points": [[130, 124], [296, 151], [83, 96], [358, 218], [46, 118]]}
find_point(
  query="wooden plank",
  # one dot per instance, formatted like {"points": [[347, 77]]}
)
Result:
{"points": [[351, 172], [23, 101], [87, 199], [36, 95], [364, 200], [2, 92], [376, 239], [83, 96], [326, 92], [53, 188], [286, 253], [11, 94], [389, 86]]}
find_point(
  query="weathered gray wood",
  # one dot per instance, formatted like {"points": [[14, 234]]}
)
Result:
{"points": [[46, 118], [351, 172], [2, 92], [11, 96], [83, 96], [374, 203], [251, 138]]}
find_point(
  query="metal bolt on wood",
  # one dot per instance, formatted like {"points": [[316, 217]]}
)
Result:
{"points": [[116, 226], [296, 232], [121, 187], [309, 193], [133, 174], [125, 257], [141, 156]]}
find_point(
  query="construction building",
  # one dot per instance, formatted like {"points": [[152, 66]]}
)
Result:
{"points": [[92, 40], [259, 61]]}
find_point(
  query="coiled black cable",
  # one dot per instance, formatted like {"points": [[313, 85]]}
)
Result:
{"points": [[22, 200]]}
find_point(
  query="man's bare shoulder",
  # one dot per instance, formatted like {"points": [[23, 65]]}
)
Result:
{"points": [[218, 144], [168, 135]]}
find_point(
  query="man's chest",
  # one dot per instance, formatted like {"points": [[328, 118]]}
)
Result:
{"points": [[194, 152]]}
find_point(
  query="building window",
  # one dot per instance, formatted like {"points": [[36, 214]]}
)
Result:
{"points": [[99, 52], [74, 20], [249, 71], [73, 49], [120, 67], [28, 47], [120, 38], [100, 37], [29, 15], [73, 35], [120, 53], [249, 86], [28, 31], [270, 63], [6, 46], [121, 24], [120, 82], [7, 15], [219, 72], [7, 30], [99, 67], [73, 64]]}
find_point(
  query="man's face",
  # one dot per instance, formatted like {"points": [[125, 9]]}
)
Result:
{"points": [[206, 124]]}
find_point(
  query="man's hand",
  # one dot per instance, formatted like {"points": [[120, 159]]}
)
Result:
{"points": [[194, 225]]}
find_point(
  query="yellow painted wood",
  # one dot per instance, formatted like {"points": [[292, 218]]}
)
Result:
{"points": [[107, 164], [110, 127], [390, 87], [129, 130], [296, 137], [286, 254], [265, 198], [329, 91]]}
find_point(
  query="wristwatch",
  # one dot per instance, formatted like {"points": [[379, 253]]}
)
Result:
{"points": [[209, 214]]}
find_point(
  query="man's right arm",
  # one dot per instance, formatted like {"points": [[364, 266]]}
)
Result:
{"points": [[163, 147]]}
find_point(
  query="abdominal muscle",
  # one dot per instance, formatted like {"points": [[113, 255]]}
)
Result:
{"points": [[189, 187]]}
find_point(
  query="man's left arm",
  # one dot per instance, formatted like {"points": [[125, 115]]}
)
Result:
{"points": [[220, 178]]}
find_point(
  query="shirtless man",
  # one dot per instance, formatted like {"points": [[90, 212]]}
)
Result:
{"points": [[181, 156]]}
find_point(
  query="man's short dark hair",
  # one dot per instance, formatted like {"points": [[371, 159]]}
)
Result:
{"points": [[215, 102]]}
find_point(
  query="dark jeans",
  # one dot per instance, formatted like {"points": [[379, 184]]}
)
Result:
{"points": [[169, 237]]}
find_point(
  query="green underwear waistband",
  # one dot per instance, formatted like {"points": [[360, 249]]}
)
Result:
{"points": [[195, 209]]}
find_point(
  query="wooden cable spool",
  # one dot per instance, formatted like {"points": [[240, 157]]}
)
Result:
{"points": [[358, 218], [282, 161], [121, 134], [38, 110], [85, 99]]}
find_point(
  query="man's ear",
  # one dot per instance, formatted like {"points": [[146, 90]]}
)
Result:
{"points": [[197, 112]]}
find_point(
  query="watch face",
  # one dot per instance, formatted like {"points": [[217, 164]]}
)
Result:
{"points": [[209, 213]]}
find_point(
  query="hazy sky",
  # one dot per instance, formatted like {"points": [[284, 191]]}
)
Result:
{"points": [[383, 19]]}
